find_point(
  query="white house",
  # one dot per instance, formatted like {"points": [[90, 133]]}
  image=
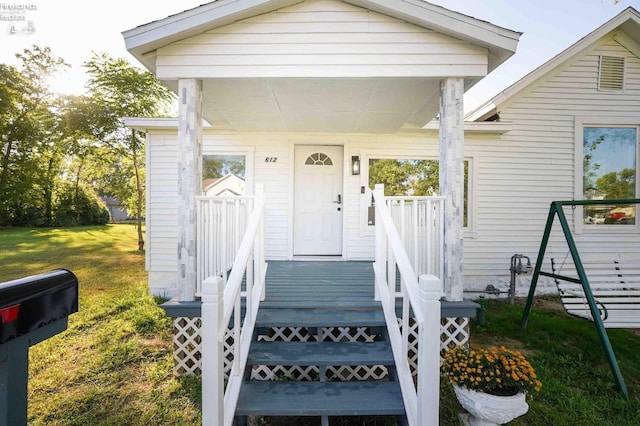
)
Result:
{"points": [[316, 101], [282, 81], [523, 148]]}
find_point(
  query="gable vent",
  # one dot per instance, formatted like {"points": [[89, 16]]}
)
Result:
{"points": [[611, 73]]}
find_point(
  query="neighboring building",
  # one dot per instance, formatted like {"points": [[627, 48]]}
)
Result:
{"points": [[227, 186], [117, 212]]}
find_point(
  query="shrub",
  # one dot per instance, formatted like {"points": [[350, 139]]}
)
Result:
{"points": [[80, 206]]}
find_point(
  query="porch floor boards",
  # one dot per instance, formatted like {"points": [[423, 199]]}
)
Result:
{"points": [[319, 284]]}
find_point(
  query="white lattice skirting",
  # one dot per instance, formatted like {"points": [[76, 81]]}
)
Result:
{"points": [[186, 349]]}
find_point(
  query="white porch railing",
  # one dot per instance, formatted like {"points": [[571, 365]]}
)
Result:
{"points": [[220, 303], [420, 301], [221, 224], [420, 225]]}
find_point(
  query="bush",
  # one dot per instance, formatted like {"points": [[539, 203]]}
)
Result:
{"points": [[80, 207]]}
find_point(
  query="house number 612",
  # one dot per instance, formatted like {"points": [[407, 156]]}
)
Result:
{"points": [[271, 159]]}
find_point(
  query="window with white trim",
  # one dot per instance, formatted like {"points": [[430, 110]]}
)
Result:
{"points": [[410, 177], [610, 171], [224, 174]]}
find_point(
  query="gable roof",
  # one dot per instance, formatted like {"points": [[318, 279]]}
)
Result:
{"points": [[144, 40], [625, 30]]}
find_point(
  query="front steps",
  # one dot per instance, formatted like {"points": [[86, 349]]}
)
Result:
{"points": [[326, 395]]}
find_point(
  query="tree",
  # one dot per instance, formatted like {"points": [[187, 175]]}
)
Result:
{"points": [[31, 153], [618, 185], [118, 90]]}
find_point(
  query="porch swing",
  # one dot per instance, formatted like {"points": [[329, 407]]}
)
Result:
{"points": [[609, 297]]}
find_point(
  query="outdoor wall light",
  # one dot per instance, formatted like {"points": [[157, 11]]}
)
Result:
{"points": [[355, 165]]}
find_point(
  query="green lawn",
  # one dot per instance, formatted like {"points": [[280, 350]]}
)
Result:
{"points": [[113, 365]]}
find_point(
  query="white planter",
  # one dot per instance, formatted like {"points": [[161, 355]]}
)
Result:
{"points": [[486, 409]]}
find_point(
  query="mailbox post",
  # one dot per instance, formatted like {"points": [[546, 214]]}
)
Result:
{"points": [[32, 309]]}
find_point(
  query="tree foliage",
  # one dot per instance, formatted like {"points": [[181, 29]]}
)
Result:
{"points": [[618, 185], [116, 91], [30, 139], [60, 151]]}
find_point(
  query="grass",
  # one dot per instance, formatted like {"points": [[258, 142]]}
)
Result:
{"points": [[113, 366]]}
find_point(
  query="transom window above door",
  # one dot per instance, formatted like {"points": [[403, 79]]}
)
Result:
{"points": [[318, 159]]}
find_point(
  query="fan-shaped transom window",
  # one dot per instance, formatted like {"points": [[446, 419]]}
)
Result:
{"points": [[318, 159]]}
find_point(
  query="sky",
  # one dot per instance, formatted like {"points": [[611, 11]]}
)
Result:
{"points": [[73, 29]]}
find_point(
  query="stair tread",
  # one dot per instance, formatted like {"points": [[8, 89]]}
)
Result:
{"points": [[320, 398], [320, 353], [320, 317]]}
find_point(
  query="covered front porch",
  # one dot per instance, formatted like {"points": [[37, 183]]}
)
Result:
{"points": [[307, 90]]}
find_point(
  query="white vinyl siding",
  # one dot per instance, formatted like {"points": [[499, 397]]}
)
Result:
{"points": [[515, 176], [162, 207], [274, 174], [326, 38], [536, 163]]}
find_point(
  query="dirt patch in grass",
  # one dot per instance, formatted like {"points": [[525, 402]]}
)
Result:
{"points": [[548, 303]]}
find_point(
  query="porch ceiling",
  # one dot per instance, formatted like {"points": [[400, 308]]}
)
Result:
{"points": [[371, 105]]}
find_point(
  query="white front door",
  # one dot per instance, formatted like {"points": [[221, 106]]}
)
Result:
{"points": [[317, 210]]}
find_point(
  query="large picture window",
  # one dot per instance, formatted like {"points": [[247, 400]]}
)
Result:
{"points": [[410, 177], [609, 172], [224, 175]]}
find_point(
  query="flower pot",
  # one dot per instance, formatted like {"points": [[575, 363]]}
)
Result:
{"points": [[487, 409]]}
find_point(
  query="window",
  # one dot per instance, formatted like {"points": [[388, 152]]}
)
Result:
{"points": [[224, 175], [318, 159], [411, 177], [609, 172]]}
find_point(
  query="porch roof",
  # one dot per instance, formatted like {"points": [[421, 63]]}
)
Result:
{"points": [[376, 74], [143, 40]]}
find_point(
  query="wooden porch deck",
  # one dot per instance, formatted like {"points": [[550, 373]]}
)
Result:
{"points": [[319, 284]]}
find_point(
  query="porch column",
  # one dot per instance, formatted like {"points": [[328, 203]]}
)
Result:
{"points": [[189, 181], [452, 182]]}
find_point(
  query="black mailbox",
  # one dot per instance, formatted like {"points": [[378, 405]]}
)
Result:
{"points": [[32, 309]]}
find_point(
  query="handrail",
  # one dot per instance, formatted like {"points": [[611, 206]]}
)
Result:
{"points": [[423, 298], [221, 303]]}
